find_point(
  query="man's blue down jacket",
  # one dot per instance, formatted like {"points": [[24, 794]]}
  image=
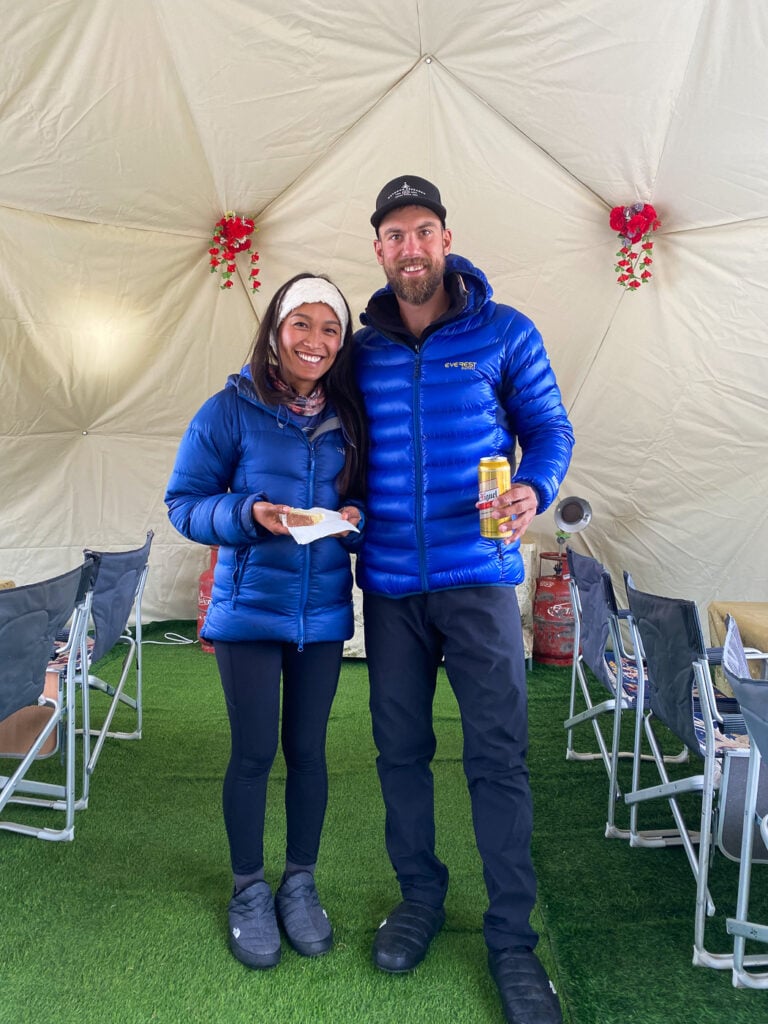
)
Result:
{"points": [[477, 381], [237, 451]]}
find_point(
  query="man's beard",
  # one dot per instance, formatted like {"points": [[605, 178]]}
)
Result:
{"points": [[420, 290]]}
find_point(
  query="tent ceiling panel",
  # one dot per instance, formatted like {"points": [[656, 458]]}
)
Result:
{"points": [[92, 307], [713, 168], [593, 88], [270, 90], [95, 126]]}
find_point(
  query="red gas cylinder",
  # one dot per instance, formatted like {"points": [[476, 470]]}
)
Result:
{"points": [[553, 627], [204, 599]]}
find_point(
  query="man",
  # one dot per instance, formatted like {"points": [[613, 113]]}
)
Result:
{"points": [[448, 377]]}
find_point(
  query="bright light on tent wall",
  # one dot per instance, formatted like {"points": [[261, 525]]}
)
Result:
{"points": [[103, 344]]}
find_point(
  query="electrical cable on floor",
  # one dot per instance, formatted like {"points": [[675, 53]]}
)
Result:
{"points": [[171, 639]]}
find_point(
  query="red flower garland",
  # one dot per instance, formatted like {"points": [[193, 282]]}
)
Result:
{"points": [[634, 224], [231, 236]]}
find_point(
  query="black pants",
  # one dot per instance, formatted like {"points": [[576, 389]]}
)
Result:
{"points": [[478, 631], [250, 675]]}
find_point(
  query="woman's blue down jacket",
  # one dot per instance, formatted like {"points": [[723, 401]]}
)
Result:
{"points": [[476, 383], [237, 451]]}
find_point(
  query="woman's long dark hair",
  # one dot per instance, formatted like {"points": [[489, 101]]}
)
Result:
{"points": [[340, 389]]}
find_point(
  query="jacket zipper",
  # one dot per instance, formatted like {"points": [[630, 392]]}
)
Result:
{"points": [[241, 557], [419, 475], [306, 551]]}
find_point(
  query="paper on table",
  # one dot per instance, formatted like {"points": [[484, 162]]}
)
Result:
{"points": [[330, 523]]}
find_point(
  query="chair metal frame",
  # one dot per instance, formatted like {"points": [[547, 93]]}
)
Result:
{"points": [[72, 605], [675, 666], [117, 591], [753, 698], [599, 644]]}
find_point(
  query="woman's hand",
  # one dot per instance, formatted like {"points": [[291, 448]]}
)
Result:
{"points": [[268, 515], [352, 515]]}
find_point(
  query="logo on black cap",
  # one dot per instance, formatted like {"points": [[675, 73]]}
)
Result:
{"points": [[407, 190]]}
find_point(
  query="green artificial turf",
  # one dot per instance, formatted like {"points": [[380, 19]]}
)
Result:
{"points": [[128, 923]]}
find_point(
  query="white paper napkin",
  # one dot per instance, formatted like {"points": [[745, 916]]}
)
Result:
{"points": [[330, 523]]}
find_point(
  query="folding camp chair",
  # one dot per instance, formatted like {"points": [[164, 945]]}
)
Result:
{"points": [[599, 645], [674, 665], [117, 592], [30, 618], [752, 696]]}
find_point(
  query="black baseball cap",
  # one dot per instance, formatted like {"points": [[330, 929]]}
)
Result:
{"points": [[407, 190]]}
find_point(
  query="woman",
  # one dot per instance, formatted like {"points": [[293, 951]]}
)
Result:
{"points": [[287, 432]]}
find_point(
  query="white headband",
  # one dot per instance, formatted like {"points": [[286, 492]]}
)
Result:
{"points": [[314, 289]]}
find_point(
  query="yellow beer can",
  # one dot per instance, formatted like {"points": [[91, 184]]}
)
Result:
{"points": [[494, 476]]}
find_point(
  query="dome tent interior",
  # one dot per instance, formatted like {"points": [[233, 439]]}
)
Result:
{"points": [[128, 128]]}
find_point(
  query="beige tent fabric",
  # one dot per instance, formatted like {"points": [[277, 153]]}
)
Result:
{"points": [[128, 128]]}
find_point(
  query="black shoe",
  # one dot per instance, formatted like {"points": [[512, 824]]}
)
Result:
{"points": [[403, 938], [527, 994]]}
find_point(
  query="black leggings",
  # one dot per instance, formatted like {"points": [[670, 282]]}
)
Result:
{"points": [[250, 675]]}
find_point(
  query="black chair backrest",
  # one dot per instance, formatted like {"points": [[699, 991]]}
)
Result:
{"points": [[30, 618], [670, 631], [751, 694], [114, 592], [598, 603]]}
